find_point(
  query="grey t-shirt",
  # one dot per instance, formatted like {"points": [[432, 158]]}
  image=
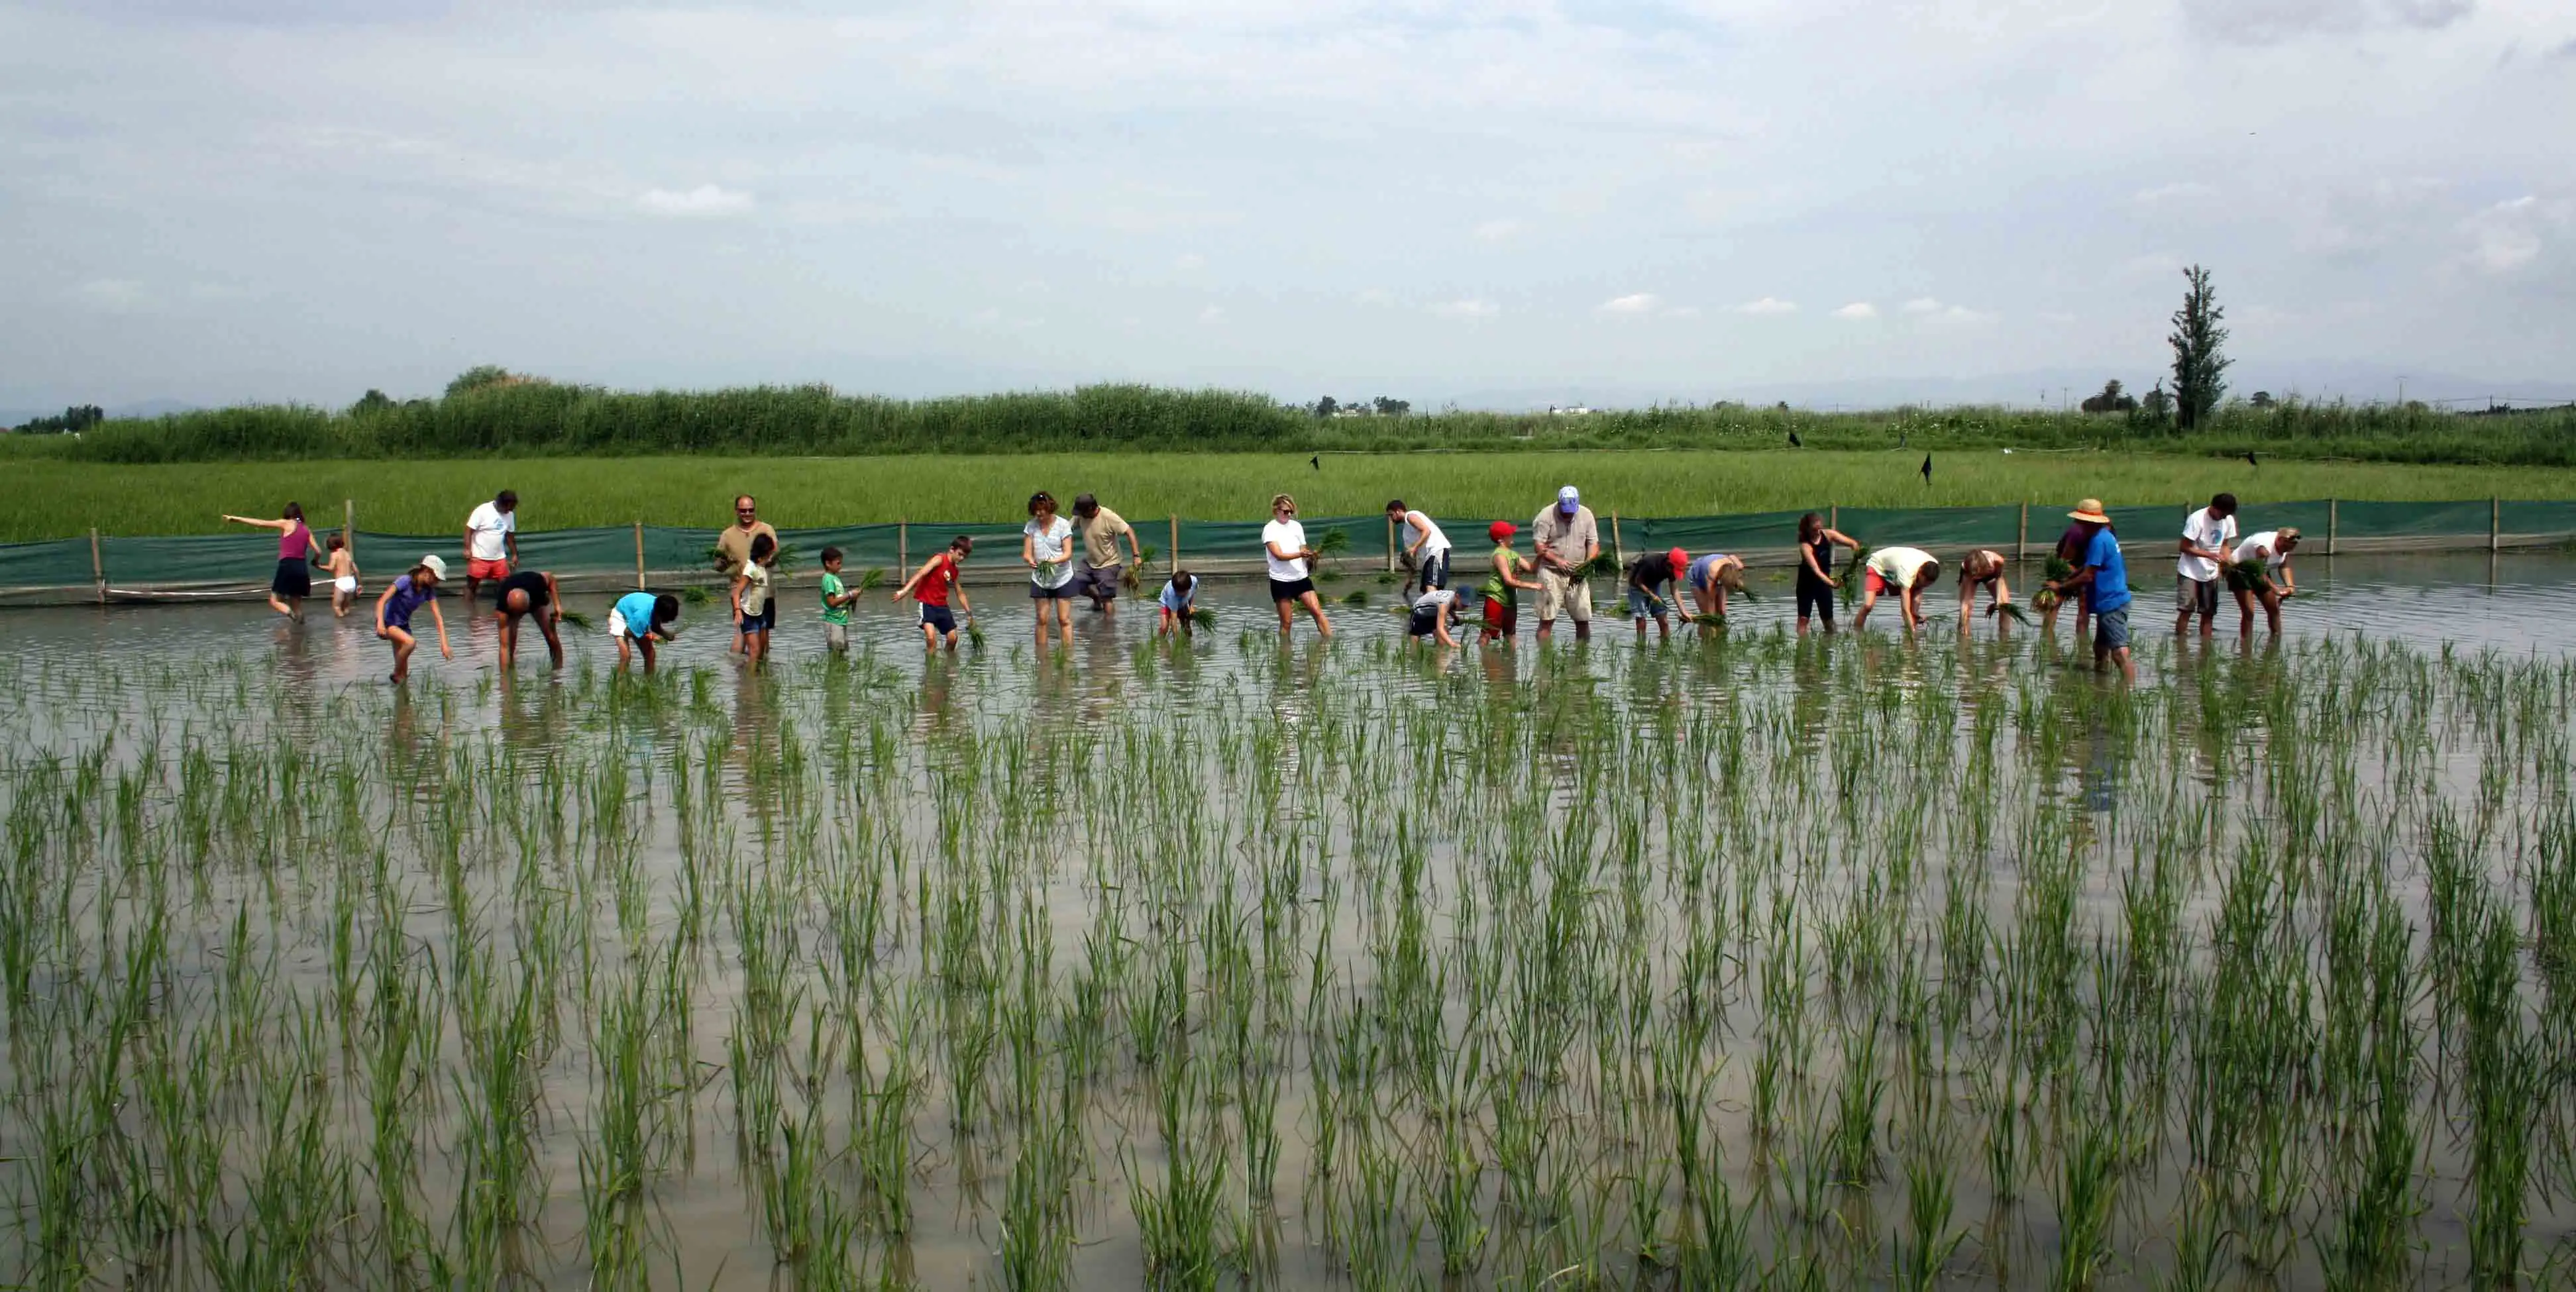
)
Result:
{"points": [[1568, 538]]}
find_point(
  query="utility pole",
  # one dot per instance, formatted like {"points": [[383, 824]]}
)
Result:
{"points": [[2401, 392]]}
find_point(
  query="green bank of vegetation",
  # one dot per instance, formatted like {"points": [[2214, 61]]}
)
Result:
{"points": [[58, 499], [533, 418]]}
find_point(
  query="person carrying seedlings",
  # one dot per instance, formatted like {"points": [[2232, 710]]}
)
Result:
{"points": [[525, 593], [1905, 571], [1647, 574], [1710, 578], [1984, 568], [837, 599], [1283, 546], [1565, 539], [342, 566], [491, 541], [2063, 561], [2260, 572], [1433, 612], [931, 586], [1178, 603], [1504, 584], [637, 620], [2208, 536], [1425, 546], [1102, 570], [293, 581], [757, 611], [1046, 547], [2103, 579], [733, 546], [401, 601], [1816, 581]]}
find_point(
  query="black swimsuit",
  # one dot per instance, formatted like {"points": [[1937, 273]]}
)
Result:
{"points": [[1815, 596]]}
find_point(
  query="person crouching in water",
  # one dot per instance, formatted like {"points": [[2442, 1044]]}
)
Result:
{"points": [[1179, 601], [1650, 588], [1433, 612], [1709, 579], [1905, 571], [525, 593], [1503, 585], [2261, 572], [637, 619], [404, 598], [1983, 568]]}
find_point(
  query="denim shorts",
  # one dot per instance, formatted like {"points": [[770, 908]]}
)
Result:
{"points": [[1642, 604], [2111, 629]]}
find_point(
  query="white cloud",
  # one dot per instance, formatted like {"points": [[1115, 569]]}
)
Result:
{"points": [[2258, 22], [1921, 305], [704, 200], [111, 295], [1470, 308], [1376, 296], [1497, 232], [1768, 305], [2505, 237], [1189, 262], [1634, 304], [1212, 314], [1857, 310]]}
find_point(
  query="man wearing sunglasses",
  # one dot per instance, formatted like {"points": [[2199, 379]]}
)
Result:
{"points": [[733, 546]]}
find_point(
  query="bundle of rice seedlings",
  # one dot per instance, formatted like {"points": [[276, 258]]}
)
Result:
{"points": [[1355, 597], [974, 633], [1851, 572], [1709, 619], [695, 596], [871, 581], [1203, 617], [574, 617], [1602, 565], [2012, 610]]}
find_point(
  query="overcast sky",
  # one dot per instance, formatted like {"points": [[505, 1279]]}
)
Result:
{"points": [[216, 200]]}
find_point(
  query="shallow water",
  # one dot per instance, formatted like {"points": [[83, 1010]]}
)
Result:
{"points": [[1527, 952]]}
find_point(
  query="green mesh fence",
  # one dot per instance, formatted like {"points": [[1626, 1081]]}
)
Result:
{"points": [[248, 559]]}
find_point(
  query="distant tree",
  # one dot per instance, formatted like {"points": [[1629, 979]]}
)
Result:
{"points": [[477, 377], [2111, 400], [2262, 399], [2200, 361], [1326, 406], [75, 419], [2157, 407], [374, 401], [1391, 407]]}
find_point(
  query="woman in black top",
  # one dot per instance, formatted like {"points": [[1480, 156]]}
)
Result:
{"points": [[1816, 581]]}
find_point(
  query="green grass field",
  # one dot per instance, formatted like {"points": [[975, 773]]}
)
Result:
{"points": [[55, 499]]}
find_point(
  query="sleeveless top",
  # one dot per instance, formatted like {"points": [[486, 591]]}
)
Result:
{"points": [[1498, 591]]}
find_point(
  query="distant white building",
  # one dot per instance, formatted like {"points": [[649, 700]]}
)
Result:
{"points": [[1568, 410]]}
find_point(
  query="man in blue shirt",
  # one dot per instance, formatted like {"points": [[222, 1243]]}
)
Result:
{"points": [[2104, 577]]}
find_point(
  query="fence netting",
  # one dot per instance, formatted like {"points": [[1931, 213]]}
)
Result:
{"points": [[122, 561]]}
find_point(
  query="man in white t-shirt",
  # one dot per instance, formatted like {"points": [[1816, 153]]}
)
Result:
{"points": [[491, 540], [1283, 547], [2208, 535], [2261, 576], [1425, 547]]}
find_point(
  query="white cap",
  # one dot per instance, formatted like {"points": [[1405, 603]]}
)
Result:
{"points": [[1567, 499], [437, 565]]}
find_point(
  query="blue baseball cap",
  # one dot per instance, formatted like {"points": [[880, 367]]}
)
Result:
{"points": [[1567, 499]]}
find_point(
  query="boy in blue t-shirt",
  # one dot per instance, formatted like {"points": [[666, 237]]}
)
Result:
{"points": [[638, 619], [1180, 598], [2104, 578]]}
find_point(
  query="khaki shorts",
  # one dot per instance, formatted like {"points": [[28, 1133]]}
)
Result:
{"points": [[2194, 596], [1558, 591]]}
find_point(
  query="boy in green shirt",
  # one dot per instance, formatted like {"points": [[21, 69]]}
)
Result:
{"points": [[836, 603]]}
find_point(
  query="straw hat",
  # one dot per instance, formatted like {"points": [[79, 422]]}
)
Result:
{"points": [[2090, 512]]}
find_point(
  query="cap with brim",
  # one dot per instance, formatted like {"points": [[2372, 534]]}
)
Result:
{"points": [[1677, 558], [436, 565], [2090, 512], [1500, 530], [1567, 499]]}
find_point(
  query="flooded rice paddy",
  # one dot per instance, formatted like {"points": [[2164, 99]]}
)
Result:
{"points": [[1734, 962]]}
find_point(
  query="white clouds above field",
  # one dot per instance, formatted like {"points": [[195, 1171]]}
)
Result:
{"points": [[221, 199]]}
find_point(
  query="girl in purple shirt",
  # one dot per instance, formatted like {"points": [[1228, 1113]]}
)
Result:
{"points": [[395, 608]]}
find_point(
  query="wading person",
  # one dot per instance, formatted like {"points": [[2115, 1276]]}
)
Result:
{"points": [[1503, 585], [640, 618], [1816, 581], [1710, 578], [293, 581], [1650, 590], [1103, 570], [402, 599], [1433, 613], [931, 587], [342, 566], [1565, 538], [1983, 568], [1425, 547], [836, 598], [2103, 579], [491, 541], [1291, 567], [755, 609], [1046, 547], [2063, 561], [1905, 571], [1180, 600], [2261, 573], [733, 546], [523, 594], [2208, 536]]}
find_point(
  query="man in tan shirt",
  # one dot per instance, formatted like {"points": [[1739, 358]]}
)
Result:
{"points": [[1566, 538], [1101, 570], [733, 547]]}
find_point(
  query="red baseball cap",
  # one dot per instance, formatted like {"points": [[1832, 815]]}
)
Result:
{"points": [[1679, 559], [1500, 530]]}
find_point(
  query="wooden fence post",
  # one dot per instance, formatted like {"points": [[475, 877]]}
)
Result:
{"points": [[2331, 526], [97, 567], [1176, 544], [2495, 524], [639, 555], [902, 549], [2021, 536], [1833, 516], [349, 526], [1618, 551], [1390, 544]]}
